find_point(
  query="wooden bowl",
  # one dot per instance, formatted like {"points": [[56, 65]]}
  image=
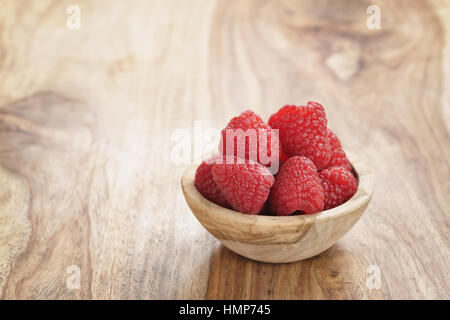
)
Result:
{"points": [[280, 239]]}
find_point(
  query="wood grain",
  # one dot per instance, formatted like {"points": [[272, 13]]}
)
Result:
{"points": [[14, 225], [87, 116]]}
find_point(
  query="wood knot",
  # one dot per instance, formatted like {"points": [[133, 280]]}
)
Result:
{"points": [[344, 59]]}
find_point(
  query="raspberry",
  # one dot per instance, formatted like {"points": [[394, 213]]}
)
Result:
{"points": [[338, 157], [297, 188], [205, 184], [339, 185], [245, 184], [283, 157], [264, 137], [303, 132]]}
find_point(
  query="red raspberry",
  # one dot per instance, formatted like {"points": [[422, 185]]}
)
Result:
{"points": [[205, 184], [297, 188], [283, 158], [303, 132], [263, 135], [245, 184], [339, 185], [338, 157]]}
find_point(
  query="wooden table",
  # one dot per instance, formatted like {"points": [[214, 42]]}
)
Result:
{"points": [[90, 178]]}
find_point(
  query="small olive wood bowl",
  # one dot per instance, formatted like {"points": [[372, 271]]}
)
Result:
{"points": [[280, 239]]}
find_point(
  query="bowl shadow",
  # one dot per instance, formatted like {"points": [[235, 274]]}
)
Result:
{"points": [[336, 273]]}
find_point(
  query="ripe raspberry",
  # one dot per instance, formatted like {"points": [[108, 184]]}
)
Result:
{"points": [[283, 158], [264, 138], [338, 157], [303, 132], [339, 185], [205, 184], [297, 188], [245, 184]]}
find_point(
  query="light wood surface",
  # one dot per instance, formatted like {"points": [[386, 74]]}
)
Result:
{"points": [[280, 239], [87, 116]]}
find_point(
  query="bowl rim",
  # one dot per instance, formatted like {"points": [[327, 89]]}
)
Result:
{"points": [[361, 197]]}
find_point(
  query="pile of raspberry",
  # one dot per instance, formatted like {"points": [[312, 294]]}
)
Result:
{"points": [[314, 172]]}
